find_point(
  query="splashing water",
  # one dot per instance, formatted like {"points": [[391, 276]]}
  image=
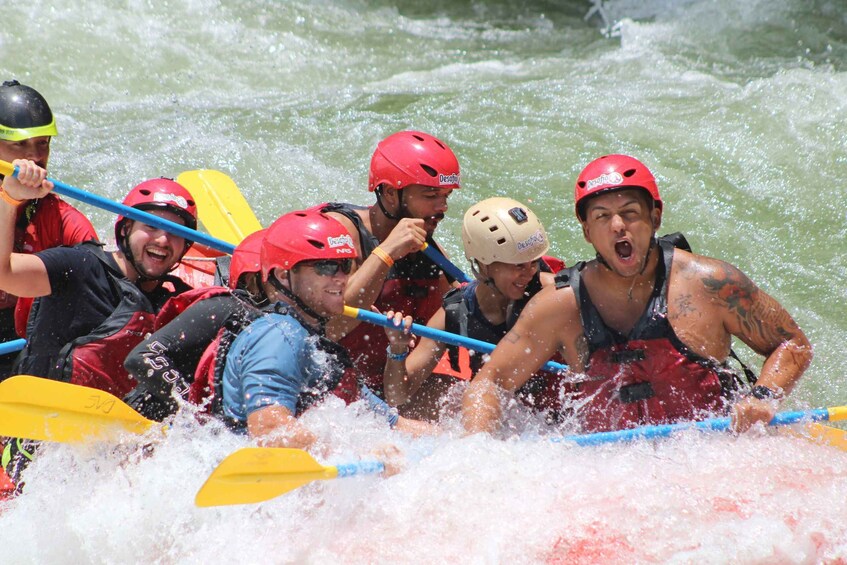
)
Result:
{"points": [[736, 106]]}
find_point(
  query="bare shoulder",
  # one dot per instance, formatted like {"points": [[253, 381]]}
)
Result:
{"points": [[719, 281]]}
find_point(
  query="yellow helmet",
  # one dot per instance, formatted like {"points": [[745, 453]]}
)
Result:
{"points": [[504, 230]]}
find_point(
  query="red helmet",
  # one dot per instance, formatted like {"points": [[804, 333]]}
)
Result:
{"points": [[413, 157], [160, 194], [247, 257], [613, 172], [304, 235]]}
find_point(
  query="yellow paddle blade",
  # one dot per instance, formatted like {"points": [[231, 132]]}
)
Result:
{"points": [[42, 409], [222, 208], [256, 474], [6, 168]]}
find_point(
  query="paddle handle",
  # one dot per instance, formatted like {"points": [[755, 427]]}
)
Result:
{"points": [[361, 468], [437, 335], [448, 267], [709, 425], [12, 346], [132, 213]]}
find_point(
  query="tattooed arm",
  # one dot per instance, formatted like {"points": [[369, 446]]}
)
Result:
{"points": [[764, 325], [550, 322]]}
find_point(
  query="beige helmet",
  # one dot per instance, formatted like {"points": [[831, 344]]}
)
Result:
{"points": [[504, 230]]}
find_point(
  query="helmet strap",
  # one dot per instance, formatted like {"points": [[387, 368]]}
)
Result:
{"points": [[287, 292], [388, 214]]}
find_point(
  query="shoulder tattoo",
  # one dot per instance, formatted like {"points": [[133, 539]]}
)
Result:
{"points": [[761, 317]]}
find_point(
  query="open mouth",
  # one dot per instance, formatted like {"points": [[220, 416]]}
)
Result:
{"points": [[157, 254], [624, 250]]}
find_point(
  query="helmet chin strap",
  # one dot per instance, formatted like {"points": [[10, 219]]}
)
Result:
{"points": [[285, 291], [389, 215], [484, 279]]}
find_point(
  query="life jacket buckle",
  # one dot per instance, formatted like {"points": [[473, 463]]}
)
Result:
{"points": [[628, 356], [636, 392]]}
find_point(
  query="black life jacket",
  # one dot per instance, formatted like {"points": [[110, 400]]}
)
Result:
{"points": [[96, 359]]}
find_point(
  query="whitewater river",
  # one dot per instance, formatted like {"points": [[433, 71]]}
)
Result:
{"points": [[738, 107]]}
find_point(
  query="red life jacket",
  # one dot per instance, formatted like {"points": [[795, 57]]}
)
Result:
{"points": [[411, 287], [97, 360], [649, 376], [43, 224]]}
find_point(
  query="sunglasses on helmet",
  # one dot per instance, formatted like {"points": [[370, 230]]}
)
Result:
{"points": [[330, 267]]}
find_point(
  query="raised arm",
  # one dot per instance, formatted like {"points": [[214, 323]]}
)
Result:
{"points": [[365, 284], [21, 274]]}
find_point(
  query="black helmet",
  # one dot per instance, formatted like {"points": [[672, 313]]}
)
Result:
{"points": [[24, 113]]}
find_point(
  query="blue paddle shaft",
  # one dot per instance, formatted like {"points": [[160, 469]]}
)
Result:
{"points": [[12, 346], [710, 425], [141, 216], [445, 337], [361, 468], [436, 257]]}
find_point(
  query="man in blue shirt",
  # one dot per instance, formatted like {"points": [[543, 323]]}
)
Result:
{"points": [[283, 363]]}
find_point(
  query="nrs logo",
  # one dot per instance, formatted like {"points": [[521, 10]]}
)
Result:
{"points": [[605, 178], [169, 197], [448, 179], [340, 241]]}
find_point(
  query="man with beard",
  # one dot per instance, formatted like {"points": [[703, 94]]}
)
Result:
{"points": [[412, 174], [92, 307], [648, 325]]}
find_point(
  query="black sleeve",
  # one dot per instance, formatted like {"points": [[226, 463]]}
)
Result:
{"points": [[167, 359]]}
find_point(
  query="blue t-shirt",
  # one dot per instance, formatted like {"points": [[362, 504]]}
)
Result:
{"points": [[275, 361]]}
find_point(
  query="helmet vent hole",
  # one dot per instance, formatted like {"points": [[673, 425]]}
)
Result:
{"points": [[441, 145], [629, 173], [429, 170], [316, 244], [501, 241], [581, 184], [493, 229], [419, 138]]}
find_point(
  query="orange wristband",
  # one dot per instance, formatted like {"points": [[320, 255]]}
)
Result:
{"points": [[386, 258], [5, 196]]}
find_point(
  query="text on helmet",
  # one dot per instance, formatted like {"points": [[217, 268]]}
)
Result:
{"points": [[535, 240], [341, 241], [605, 178], [448, 179], [170, 197]]}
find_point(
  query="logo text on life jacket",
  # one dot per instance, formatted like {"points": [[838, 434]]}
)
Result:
{"points": [[448, 179], [341, 241], [535, 240], [170, 197], [605, 178]]}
